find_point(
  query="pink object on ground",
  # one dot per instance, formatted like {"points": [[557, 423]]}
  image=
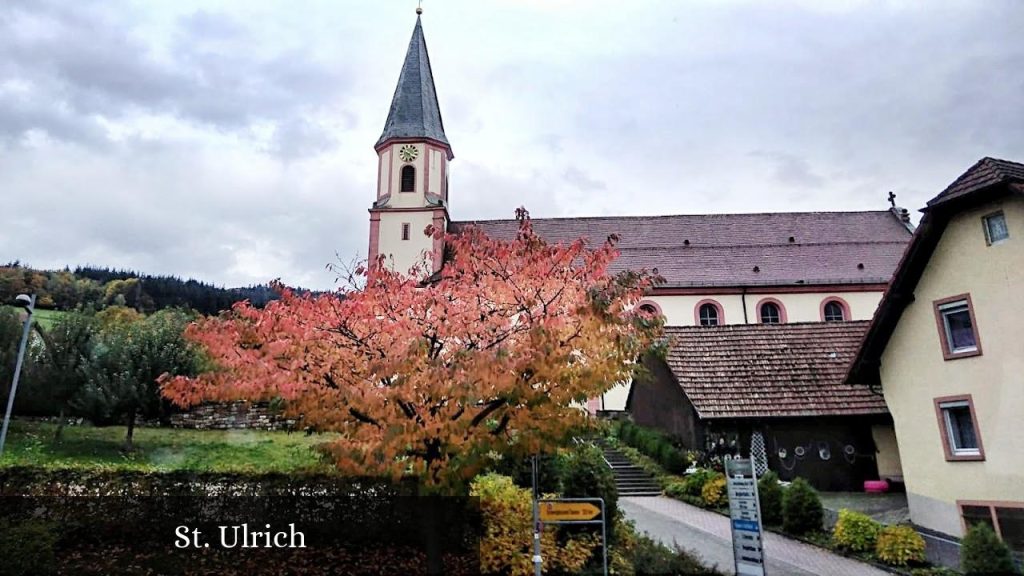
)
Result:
{"points": [[876, 486]]}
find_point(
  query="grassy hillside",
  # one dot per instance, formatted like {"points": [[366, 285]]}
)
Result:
{"points": [[46, 318], [163, 449]]}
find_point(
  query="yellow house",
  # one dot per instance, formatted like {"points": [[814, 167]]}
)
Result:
{"points": [[946, 345]]}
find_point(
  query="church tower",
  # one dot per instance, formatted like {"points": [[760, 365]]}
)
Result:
{"points": [[412, 167]]}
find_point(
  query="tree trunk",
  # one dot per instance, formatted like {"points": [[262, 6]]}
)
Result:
{"points": [[430, 526], [128, 445], [60, 426]]}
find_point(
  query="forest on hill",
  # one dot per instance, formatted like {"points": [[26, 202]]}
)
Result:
{"points": [[97, 287]]}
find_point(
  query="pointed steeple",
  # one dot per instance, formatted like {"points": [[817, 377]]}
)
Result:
{"points": [[414, 109]]}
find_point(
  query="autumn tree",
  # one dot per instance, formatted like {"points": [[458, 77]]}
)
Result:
{"points": [[428, 376]]}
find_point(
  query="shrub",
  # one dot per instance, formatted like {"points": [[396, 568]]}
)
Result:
{"points": [[650, 557], [769, 492], [899, 545], [674, 460], [587, 476], [550, 470], [801, 508], [713, 493], [694, 483], [982, 552], [654, 445], [855, 531], [507, 543], [27, 548], [675, 490]]}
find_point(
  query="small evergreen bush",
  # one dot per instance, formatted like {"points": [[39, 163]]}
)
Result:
{"points": [[855, 531], [899, 545], [982, 552], [650, 557], [713, 493], [694, 483], [770, 493], [675, 490], [585, 475], [801, 509]]}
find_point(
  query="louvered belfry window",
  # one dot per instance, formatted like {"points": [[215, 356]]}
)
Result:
{"points": [[408, 179]]}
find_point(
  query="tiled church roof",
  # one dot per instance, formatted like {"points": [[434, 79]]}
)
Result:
{"points": [[414, 110], [764, 370], [739, 249]]}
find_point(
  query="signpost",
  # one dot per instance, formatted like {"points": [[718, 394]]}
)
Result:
{"points": [[566, 511], [745, 515], [552, 511], [576, 511]]}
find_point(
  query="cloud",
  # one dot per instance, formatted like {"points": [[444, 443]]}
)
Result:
{"points": [[232, 141]]}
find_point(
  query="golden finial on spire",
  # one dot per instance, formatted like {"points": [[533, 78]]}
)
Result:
{"points": [[419, 8]]}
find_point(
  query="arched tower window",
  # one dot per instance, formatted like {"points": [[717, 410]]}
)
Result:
{"points": [[834, 312], [408, 179], [770, 313]]}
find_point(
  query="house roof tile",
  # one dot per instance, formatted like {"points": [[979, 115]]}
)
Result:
{"points": [[761, 370], [985, 172]]}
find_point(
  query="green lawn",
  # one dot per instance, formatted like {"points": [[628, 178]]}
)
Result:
{"points": [[162, 449], [46, 318]]}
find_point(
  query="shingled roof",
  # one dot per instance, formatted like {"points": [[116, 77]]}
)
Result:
{"points": [[985, 172], [766, 249], [414, 110], [765, 370]]}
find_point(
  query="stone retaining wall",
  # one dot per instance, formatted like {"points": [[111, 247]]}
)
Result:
{"points": [[232, 416]]}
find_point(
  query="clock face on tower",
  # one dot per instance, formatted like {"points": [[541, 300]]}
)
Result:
{"points": [[408, 153]]}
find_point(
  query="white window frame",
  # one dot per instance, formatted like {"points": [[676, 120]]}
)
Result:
{"points": [[948, 420], [986, 224], [949, 308]]}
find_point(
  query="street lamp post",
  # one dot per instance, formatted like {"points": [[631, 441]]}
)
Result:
{"points": [[29, 304]]}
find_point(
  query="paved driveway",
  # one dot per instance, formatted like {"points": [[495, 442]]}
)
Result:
{"points": [[706, 534]]}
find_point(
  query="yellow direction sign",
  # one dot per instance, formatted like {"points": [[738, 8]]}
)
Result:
{"points": [[568, 511]]}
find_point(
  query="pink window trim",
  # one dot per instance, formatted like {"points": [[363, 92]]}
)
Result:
{"points": [[782, 309], [697, 307], [842, 304], [652, 304], [948, 354]]}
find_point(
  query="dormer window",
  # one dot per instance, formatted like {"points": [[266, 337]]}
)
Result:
{"points": [[995, 228], [408, 179]]}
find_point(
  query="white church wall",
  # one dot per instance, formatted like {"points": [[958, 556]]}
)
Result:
{"points": [[407, 199], [404, 253], [799, 307], [434, 184]]}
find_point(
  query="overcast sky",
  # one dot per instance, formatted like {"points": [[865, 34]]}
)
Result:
{"points": [[233, 141]]}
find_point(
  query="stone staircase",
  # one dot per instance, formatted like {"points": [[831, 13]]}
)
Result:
{"points": [[630, 479]]}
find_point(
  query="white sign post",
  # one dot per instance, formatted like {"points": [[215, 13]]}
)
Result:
{"points": [[745, 515]]}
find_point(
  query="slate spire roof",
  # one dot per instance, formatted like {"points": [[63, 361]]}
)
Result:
{"points": [[414, 110]]}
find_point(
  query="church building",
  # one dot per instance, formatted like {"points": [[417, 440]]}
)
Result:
{"points": [[791, 290]]}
